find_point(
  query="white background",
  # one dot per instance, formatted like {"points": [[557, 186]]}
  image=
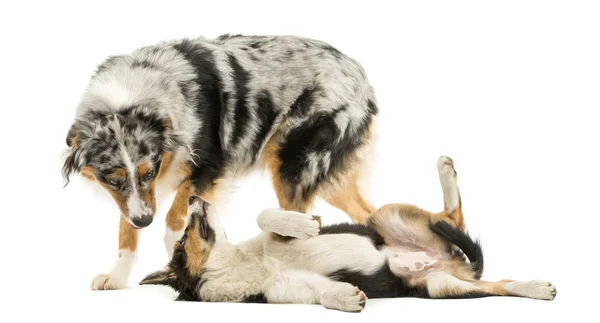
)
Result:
{"points": [[510, 90]]}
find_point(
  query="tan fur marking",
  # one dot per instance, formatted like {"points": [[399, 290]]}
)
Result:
{"points": [[127, 236], [167, 160], [494, 288], [148, 196], [89, 172], [341, 191], [349, 199], [197, 250], [119, 173], [178, 211], [285, 193], [73, 137], [144, 168], [184, 169], [168, 123], [211, 194]]}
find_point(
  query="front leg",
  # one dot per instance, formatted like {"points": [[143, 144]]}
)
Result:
{"points": [[303, 287], [117, 277], [289, 223], [176, 217]]}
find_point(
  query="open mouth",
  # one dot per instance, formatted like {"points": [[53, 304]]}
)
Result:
{"points": [[199, 213], [203, 227]]}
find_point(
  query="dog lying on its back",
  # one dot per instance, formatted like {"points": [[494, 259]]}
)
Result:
{"points": [[402, 251]]}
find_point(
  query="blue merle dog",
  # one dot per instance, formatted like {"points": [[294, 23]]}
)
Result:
{"points": [[191, 116]]}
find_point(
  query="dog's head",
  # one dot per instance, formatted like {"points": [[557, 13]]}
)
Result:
{"points": [[184, 271], [122, 151]]}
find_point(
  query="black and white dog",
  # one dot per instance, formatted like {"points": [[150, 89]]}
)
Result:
{"points": [[402, 251], [193, 115]]}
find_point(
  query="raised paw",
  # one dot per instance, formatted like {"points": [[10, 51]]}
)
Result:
{"points": [[344, 297], [536, 289], [303, 226], [107, 282], [445, 167]]}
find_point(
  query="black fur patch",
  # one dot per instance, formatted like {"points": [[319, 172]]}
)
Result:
{"points": [[143, 64], [211, 158], [468, 295], [333, 51], [317, 136], [229, 36], [266, 116], [302, 105], [373, 109], [183, 283], [472, 249], [354, 228], [256, 298], [242, 115], [381, 284]]}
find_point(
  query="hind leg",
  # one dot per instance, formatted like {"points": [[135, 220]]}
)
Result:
{"points": [[444, 285], [404, 223], [319, 158], [348, 198], [290, 194], [452, 202]]}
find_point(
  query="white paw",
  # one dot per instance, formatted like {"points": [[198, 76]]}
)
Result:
{"points": [[303, 226], [445, 167], [532, 289], [344, 297], [448, 181], [107, 282]]}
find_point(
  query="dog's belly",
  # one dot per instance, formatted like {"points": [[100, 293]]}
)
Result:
{"points": [[410, 260], [326, 254]]}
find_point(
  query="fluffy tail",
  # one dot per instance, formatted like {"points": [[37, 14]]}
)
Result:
{"points": [[472, 249]]}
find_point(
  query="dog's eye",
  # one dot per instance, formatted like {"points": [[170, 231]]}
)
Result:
{"points": [[148, 175], [115, 182], [182, 240]]}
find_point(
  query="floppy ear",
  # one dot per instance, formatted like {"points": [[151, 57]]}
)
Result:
{"points": [[172, 138], [160, 277], [72, 136], [70, 164]]}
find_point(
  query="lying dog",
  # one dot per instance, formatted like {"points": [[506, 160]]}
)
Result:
{"points": [[402, 251], [192, 116]]}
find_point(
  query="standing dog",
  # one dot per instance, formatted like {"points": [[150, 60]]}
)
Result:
{"points": [[402, 251], [191, 116]]}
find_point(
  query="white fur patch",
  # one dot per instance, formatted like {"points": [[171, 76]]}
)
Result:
{"points": [[118, 274], [171, 237], [407, 261], [288, 223], [449, 183], [114, 94], [532, 289], [136, 206]]}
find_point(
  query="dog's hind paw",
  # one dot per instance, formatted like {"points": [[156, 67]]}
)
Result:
{"points": [[536, 289], [107, 282]]}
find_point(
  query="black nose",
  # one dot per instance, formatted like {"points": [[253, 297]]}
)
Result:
{"points": [[142, 221], [193, 199]]}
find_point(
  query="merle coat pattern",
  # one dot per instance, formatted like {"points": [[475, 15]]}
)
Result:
{"points": [[193, 115]]}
